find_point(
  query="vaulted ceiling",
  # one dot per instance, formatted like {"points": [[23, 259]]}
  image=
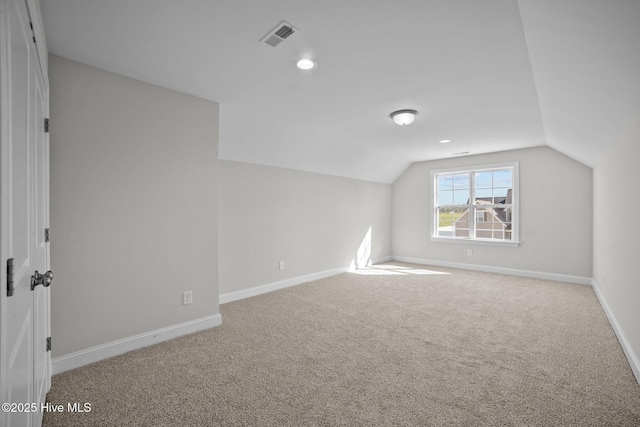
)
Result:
{"points": [[488, 75]]}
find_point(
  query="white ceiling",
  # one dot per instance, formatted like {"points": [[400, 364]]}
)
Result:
{"points": [[490, 75]]}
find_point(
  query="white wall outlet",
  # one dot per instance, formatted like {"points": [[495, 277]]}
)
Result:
{"points": [[470, 252], [187, 297], [281, 265]]}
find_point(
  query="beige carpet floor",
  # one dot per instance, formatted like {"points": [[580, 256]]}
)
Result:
{"points": [[400, 345]]}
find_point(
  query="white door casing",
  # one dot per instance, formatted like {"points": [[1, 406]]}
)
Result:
{"points": [[24, 205], [40, 254]]}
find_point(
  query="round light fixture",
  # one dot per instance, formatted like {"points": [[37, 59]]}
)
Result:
{"points": [[404, 117], [306, 64], [444, 141]]}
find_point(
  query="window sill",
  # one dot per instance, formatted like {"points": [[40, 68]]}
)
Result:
{"points": [[509, 243]]}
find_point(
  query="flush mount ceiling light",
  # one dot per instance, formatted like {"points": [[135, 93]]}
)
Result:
{"points": [[444, 141], [306, 64], [404, 117]]}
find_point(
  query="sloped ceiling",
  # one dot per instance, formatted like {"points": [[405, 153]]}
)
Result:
{"points": [[586, 64], [489, 75]]}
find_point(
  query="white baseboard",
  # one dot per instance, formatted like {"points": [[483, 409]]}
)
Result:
{"points": [[634, 362], [114, 348], [274, 286], [269, 287], [501, 270]]}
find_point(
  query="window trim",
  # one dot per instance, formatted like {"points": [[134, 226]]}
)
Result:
{"points": [[515, 202]]}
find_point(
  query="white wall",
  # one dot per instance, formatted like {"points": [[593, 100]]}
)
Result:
{"points": [[555, 215], [312, 222], [616, 237], [133, 206]]}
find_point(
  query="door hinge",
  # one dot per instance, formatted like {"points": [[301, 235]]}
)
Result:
{"points": [[48, 343], [46, 125], [33, 34], [46, 234], [10, 277]]}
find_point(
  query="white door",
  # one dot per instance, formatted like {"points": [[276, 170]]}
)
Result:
{"points": [[24, 312]]}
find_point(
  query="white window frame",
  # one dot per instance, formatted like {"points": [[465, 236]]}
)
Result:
{"points": [[515, 203]]}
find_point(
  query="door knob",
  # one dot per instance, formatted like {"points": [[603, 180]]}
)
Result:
{"points": [[48, 278], [41, 279]]}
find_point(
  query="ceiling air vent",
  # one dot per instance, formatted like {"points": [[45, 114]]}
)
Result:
{"points": [[279, 34]]}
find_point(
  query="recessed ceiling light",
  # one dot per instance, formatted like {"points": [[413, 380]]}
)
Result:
{"points": [[444, 141], [306, 64], [403, 117]]}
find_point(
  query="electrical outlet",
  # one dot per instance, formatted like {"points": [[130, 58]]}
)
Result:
{"points": [[187, 297], [281, 265], [470, 252]]}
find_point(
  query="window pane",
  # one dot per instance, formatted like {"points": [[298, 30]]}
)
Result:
{"points": [[448, 219], [507, 232], [483, 234], [445, 198], [484, 179], [500, 194], [493, 187], [485, 213], [500, 215], [461, 197], [484, 194], [503, 178], [445, 182], [461, 181], [507, 215], [445, 218], [461, 232]]}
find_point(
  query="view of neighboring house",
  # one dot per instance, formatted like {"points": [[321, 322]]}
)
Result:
{"points": [[492, 218]]}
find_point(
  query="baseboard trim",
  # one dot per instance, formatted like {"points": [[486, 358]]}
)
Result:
{"points": [[114, 348], [274, 286], [633, 359], [501, 270]]}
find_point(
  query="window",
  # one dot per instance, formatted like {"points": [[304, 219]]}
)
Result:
{"points": [[476, 204]]}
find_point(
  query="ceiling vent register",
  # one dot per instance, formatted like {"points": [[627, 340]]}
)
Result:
{"points": [[281, 32]]}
